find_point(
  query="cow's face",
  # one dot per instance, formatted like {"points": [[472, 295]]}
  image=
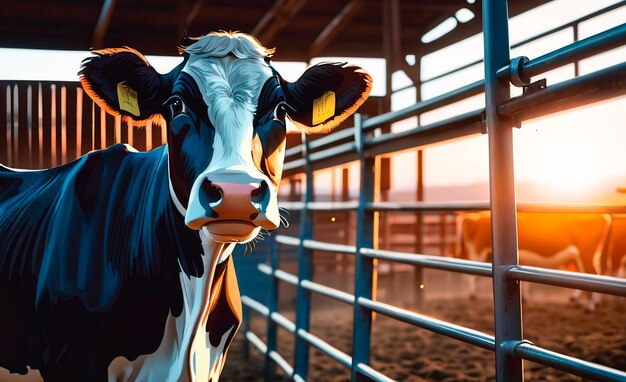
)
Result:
{"points": [[225, 108]]}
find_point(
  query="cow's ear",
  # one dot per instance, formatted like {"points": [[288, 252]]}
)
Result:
{"points": [[121, 81], [325, 95]]}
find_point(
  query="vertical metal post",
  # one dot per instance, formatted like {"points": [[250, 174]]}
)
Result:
{"points": [[305, 272], [576, 63], [365, 272], [418, 271], [506, 292], [272, 306]]}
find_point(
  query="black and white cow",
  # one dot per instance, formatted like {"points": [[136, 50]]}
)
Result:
{"points": [[116, 267]]}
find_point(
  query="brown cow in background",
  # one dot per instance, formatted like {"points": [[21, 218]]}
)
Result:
{"points": [[569, 241], [616, 247]]}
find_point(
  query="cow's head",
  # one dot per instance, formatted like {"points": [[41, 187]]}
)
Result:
{"points": [[225, 108]]}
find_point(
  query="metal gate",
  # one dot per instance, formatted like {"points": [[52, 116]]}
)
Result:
{"points": [[497, 119]]}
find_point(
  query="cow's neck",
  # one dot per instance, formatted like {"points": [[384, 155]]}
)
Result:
{"points": [[185, 352]]}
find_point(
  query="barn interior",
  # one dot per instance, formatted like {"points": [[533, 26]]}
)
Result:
{"points": [[401, 33]]}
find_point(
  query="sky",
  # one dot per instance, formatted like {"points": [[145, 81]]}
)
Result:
{"points": [[567, 156]]}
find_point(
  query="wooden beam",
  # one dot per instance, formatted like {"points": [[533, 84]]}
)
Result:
{"points": [[100, 31], [182, 10], [336, 25], [468, 29], [435, 5], [392, 43], [276, 19], [191, 16]]}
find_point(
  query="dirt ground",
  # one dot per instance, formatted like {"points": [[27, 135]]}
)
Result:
{"points": [[406, 353]]}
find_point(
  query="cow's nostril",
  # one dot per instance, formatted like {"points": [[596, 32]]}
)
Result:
{"points": [[259, 195], [212, 192]]}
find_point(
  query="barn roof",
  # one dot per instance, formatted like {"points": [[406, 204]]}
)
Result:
{"points": [[299, 28]]}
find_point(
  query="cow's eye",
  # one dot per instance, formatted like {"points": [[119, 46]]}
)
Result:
{"points": [[175, 106]]}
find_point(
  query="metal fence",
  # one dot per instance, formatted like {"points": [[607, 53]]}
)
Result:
{"points": [[47, 124], [497, 119]]}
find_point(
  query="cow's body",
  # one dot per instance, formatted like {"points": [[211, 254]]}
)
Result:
{"points": [[573, 241], [117, 266], [63, 310]]}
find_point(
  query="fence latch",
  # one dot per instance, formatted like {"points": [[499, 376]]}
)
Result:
{"points": [[535, 86]]}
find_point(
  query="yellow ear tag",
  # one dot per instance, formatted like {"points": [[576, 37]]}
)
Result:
{"points": [[127, 97], [323, 108]]}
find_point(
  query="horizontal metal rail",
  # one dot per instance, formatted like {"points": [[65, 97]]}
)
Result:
{"points": [[260, 345], [326, 348], [592, 87], [435, 262], [350, 144], [529, 207], [255, 305], [445, 99], [531, 352], [329, 247], [601, 42], [447, 329], [279, 274], [532, 207], [592, 283], [589, 282], [312, 286], [257, 342], [578, 50], [373, 374], [328, 292], [288, 240], [451, 128], [502, 72], [325, 140], [428, 206], [322, 345], [284, 322], [316, 245]]}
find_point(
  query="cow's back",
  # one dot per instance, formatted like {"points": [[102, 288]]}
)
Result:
{"points": [[89, 262], [542, 234]]}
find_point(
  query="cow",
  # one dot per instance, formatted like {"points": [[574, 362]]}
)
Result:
{"points": [[615, 255], [544, 240], [117, 266]]}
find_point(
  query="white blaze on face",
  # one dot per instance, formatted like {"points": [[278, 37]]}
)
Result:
{"points": [[230, 88]]}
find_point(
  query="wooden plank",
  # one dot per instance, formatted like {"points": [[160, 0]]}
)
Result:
{"points": [[63, 125], [156, 135], [46, 104], [71, 121], [123, 132], [276, 19], [15, 134], [149, 130], [86, 144], [336, 25], [163, 133], [96, 132], [36, 123], [139, 138], [130, 134], [26, 125], [57, 128], [4, 114], [110, 130], [118, 129]]}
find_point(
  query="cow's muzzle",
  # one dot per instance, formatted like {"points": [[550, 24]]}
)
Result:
{"points": [[233, 205]]}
